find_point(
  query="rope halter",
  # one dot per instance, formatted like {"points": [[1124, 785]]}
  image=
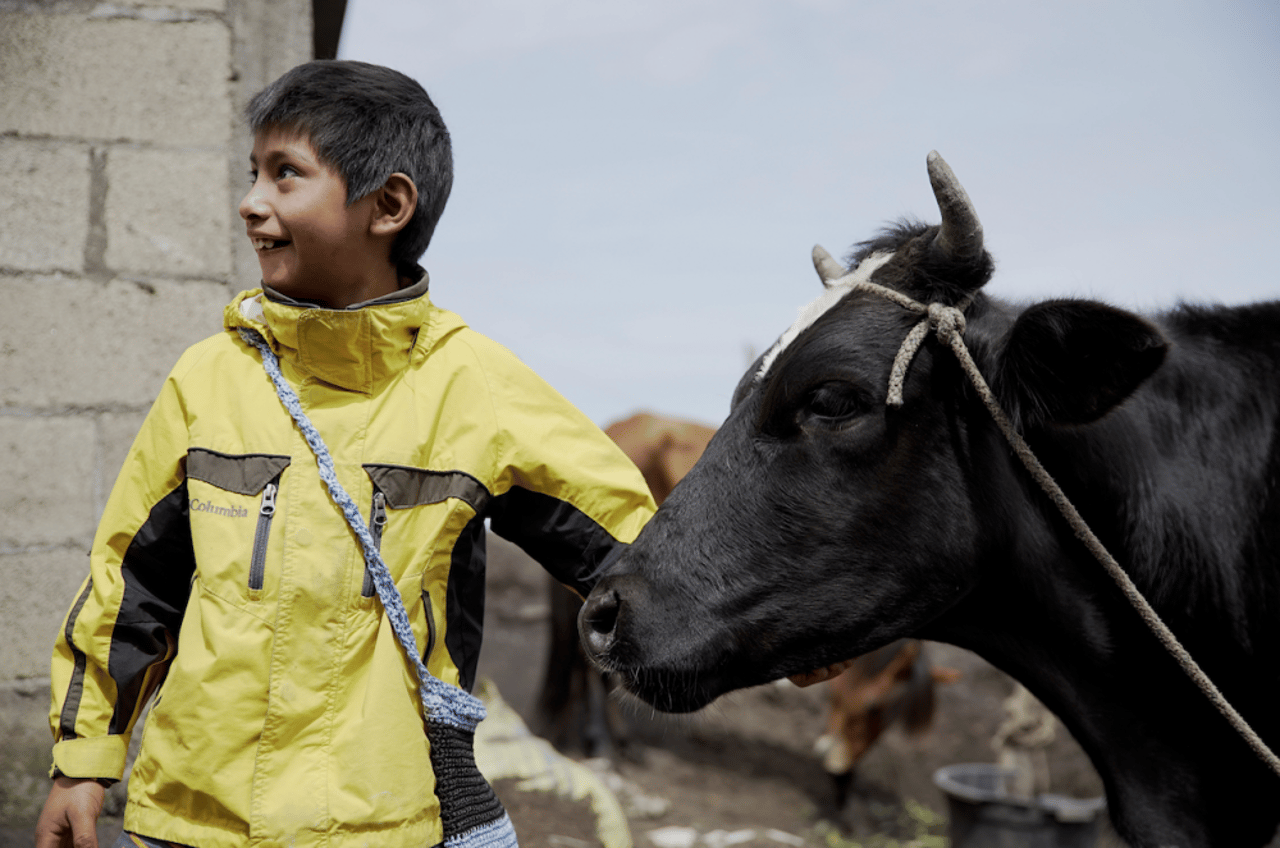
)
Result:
{"points": [[948, 324]]}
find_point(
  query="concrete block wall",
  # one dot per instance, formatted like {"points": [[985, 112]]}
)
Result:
{"points": [[122, 157]]}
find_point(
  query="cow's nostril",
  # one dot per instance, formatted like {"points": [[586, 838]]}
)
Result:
{"points": [[600, 613], [597, 620]]}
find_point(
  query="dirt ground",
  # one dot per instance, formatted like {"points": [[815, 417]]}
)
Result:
{"points": [[743, 771]]}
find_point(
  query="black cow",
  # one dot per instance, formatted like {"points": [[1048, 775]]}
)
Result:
{"points": [[822, 523]]}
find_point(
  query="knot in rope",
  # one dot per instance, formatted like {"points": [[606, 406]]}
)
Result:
{"points": [[947, 323]]}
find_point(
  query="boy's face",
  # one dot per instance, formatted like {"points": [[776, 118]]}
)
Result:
{"points": [[310, 244]]}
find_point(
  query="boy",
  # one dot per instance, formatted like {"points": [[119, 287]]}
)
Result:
{"points": [[224, 576]]}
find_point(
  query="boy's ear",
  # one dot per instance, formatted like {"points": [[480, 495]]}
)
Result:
{"points": [[395, 204]]}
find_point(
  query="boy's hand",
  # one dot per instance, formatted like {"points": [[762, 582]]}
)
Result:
{"points": [[820, 674], [70, 815]]}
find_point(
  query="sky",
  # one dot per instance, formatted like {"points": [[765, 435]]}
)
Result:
{"points": [[638, 186]]}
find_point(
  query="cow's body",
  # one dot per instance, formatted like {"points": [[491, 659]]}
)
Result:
{"points": [[821, 524]]}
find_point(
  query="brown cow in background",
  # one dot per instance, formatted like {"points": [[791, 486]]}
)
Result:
{"points": [[893, 684], [664, 449]]}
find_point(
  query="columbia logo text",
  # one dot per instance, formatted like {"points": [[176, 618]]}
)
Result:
{"points": [[198, 505]]}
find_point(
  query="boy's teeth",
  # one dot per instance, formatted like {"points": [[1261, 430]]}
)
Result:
{"points": [[264, 244]]}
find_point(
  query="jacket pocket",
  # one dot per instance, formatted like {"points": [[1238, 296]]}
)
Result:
{"points": [[234, 517], [427, 517], [398, 490]]}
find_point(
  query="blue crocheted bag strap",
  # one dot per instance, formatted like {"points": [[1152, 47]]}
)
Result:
{"points": [[471, 814]]}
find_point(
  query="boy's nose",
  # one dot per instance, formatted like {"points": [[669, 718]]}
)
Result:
{"points": [[252, 205]]}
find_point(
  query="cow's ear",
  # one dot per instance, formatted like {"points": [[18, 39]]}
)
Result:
{"points": [[1072, 361]]}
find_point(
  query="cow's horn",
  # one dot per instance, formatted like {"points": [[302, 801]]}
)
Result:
{"points": [[829, 270], [961, 232]]}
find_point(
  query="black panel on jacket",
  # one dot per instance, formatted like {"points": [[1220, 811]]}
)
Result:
{"points": [[464, 601], [158, 568], [566, 541]]}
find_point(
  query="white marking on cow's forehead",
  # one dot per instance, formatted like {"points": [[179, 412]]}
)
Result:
{"points": [[815, 310]]}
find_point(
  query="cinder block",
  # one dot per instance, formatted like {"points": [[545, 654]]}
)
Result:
{"points": [[116, 79], [167, 212], [44, 204], [46, 481], [269, 38], [35, 595], [67, 342]]}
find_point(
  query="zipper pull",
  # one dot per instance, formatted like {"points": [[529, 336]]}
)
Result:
{"points": [[268, 500], [377, 520]]}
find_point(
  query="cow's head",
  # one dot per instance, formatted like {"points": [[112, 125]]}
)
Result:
{"points": [[821, 522]]}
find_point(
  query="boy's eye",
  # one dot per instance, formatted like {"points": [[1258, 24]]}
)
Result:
{"points": [[287, 171], [253, 177]]}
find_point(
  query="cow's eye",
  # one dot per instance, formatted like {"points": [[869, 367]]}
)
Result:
{"points": [[832, 403]]}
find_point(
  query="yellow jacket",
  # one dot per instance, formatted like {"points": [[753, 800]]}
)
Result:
{"points": [[223, 574]]}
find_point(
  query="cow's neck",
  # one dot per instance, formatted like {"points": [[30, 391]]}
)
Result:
{"points": [[1170, 761], [1174, 772]]}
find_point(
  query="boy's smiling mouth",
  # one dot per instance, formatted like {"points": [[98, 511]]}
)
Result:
{"points": [[267, 243]]}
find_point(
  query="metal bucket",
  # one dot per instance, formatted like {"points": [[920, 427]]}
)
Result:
{"points": [[983, 815]]}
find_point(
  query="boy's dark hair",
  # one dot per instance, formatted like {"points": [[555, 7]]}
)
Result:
{"points": [[367, 122]]}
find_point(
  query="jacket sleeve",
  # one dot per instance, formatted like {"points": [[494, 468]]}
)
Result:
{"points": [[122, 629], [567, 494]]}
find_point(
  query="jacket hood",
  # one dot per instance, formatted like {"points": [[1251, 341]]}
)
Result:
{"points": [[355, 348]]}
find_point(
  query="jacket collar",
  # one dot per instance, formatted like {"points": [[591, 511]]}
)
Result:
{"points": [[355, 348]]}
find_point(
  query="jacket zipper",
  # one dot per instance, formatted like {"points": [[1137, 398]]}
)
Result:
{"points": [[267, 511], [377, 521]]}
